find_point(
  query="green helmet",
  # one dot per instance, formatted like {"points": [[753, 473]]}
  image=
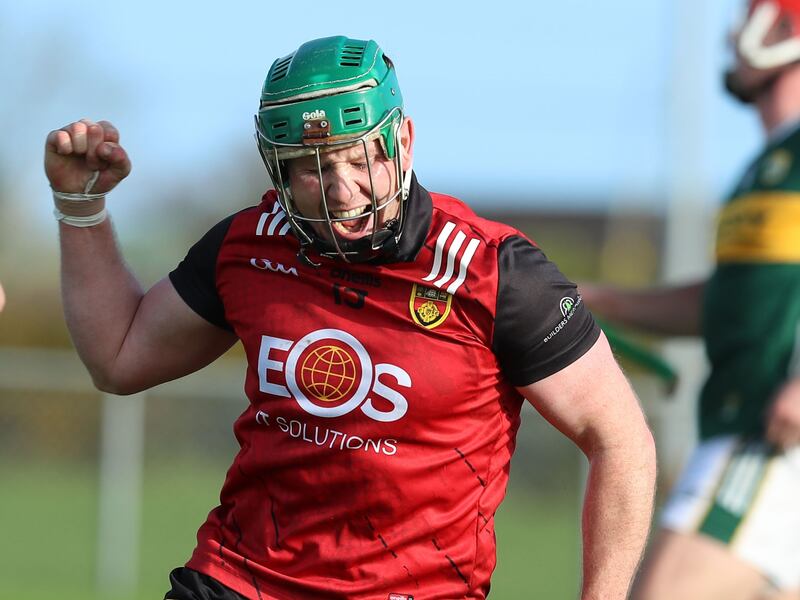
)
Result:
{"points": [[331, 93]]}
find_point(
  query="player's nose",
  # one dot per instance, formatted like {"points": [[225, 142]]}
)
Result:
{"points": [[339, 187]]}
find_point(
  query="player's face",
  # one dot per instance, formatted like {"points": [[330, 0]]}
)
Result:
{"points": [[349, 176], [348, 191]]}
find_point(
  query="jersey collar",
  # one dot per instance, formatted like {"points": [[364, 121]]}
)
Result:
{"points": [[419, 207]]}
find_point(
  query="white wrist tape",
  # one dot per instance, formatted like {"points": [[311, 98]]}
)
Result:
{"points": [[81, 210], [87, 221]]}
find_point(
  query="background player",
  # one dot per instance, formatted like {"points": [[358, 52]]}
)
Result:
{"points": [[729, 531], [391, 335]]}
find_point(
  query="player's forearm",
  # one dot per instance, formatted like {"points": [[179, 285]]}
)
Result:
{"points": [[100, 297], [616, 516], [666, 311]]}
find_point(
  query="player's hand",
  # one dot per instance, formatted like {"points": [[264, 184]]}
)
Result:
{"points": [[783, 418], [73, 153]]}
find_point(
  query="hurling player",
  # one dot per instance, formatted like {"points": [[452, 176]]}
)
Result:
{"points": [[391, 336], [730, 529]]}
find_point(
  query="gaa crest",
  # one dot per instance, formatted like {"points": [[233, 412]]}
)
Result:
{"points": [[429, 306]]}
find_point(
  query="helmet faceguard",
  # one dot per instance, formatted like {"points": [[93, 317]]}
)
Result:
{"points": [[766, 43], [330, 94]]}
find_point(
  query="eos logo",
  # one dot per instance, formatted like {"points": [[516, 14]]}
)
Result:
{"points": [[267, 265], [316, 114], [329, 373]]}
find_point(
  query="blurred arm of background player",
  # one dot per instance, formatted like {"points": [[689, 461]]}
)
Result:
{"points": [[675, 311], [671, 311], [2, 297], [129, 340], [592, 403]]}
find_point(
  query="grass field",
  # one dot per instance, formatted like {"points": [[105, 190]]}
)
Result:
{"points": [[48, 515]]}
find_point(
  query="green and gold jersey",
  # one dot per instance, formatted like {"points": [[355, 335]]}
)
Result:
{"points": [[751, 310]]}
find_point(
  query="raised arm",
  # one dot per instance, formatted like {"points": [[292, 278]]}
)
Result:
{"points": [[673, 310], [591, 402], [128, 339]]}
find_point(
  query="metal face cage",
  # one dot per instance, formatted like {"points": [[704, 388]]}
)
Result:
{"points": [[359, 250]]}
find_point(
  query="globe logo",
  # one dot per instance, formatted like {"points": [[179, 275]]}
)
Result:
{"points": [[328, 373]]}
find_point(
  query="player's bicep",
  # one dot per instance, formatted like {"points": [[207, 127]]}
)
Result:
{"points": [[590, 400], [166, 340]]}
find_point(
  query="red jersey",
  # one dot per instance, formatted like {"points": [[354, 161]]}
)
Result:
{"points": [[382, 411]]}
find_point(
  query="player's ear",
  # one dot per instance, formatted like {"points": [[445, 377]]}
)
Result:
{"points": [[406, 136]]}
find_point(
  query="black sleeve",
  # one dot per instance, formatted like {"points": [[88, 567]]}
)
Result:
{"points": [[195, 276], [541, 324]]}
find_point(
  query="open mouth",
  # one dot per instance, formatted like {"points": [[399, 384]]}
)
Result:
{"points": [[352, 213], [355, 223]]}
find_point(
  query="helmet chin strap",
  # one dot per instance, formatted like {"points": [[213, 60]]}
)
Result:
{"points": [[355, 251]]}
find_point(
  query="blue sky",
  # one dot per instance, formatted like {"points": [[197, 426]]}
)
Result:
{"points": [[572, 99]]}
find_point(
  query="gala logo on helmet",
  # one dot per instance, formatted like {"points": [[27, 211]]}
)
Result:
{"points": [[314, 114]]}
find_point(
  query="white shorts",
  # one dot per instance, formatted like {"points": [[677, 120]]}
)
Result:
{"points": [[746, 496]]}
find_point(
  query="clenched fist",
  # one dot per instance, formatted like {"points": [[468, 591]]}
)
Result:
{"points": [[74, 152]]}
